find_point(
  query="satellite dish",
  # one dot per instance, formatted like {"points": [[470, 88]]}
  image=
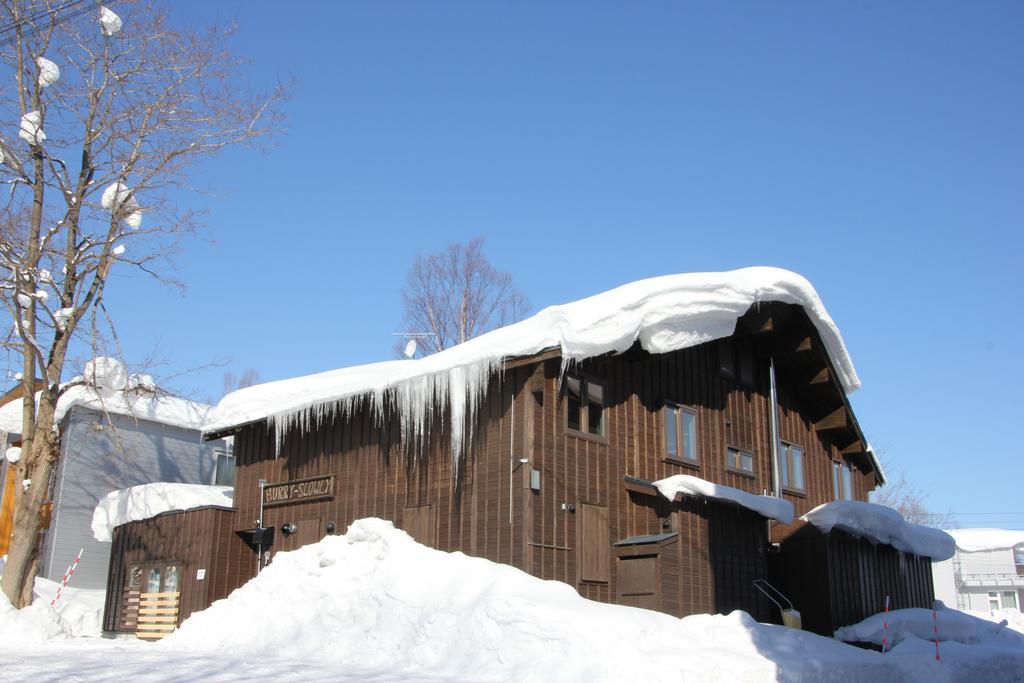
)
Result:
{"points": [[410, 348]]}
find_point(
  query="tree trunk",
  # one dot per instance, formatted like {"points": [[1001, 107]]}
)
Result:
{"points": [[23, 554]]}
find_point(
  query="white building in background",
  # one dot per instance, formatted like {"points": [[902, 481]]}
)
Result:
{"points": [[987, 572]]}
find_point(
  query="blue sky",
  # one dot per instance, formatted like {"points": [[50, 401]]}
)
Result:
{"points": [[876, 148]]}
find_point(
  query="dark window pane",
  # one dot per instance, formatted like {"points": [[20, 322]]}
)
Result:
{"points": [[595, 419], [573, 419], [730, 458], [689, 434], [747, 462], [671, 448]]}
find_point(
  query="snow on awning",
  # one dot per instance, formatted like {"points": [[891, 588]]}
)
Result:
{"points": [[149, 500], [881, 524], [767, 506], [663, 314]]}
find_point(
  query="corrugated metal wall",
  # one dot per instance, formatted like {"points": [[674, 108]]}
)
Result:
{"points": [[99, 456]]}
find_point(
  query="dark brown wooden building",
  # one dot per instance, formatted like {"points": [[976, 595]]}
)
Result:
{"points": [[556, 478]]}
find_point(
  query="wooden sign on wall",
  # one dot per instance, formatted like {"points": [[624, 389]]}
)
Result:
{"points": [[298, 490]]}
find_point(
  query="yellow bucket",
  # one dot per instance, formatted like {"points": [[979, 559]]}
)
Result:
{"points": [[791, 618]]}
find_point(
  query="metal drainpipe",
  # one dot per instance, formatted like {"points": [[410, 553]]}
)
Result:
{"points": [[259, 524], [774, 417]]}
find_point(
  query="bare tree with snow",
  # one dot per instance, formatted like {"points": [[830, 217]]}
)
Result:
{"points": [[101, 119], [456, 294]]}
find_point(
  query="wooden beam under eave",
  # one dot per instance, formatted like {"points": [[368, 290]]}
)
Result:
{"points": [[838, 419], [804, 344], [822, 377], [855, 448]]}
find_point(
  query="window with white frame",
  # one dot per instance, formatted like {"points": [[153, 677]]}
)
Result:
{"points": [[680, 433], [791, 466], [224, 473], [1002, 600], [842, 481]]}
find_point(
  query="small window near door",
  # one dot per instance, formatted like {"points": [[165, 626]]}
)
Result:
{"points": [[993, 600], [584, 406], [1009, 599], [740, 461]]}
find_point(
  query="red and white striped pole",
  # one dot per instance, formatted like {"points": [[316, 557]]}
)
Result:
{"points": [[935, 631], [67, 577], [885, 627]]}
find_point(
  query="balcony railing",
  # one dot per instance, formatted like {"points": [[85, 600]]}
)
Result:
{"points": [[992, 579]]}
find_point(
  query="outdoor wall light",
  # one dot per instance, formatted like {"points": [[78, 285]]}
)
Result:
{"points": [[288, 529], [330, 527]]}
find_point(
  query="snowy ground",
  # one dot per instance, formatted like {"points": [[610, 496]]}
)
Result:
{"points": [[373, 605]]}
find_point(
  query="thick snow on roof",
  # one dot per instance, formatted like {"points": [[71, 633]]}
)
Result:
{"points": [[979, 540], [149, 500], [882, 524], [138, 403], [772, 508], [664, 314]]}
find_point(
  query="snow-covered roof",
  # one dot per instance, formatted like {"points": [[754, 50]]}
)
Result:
{"points": [[149, 500], [882, 524], [134, 396], [664, 314], [979, 540], [768, 506]]}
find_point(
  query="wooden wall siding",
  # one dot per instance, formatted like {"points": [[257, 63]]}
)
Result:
{"points": [[377, 477], [197, 539], [488, 510], [836, 579]]}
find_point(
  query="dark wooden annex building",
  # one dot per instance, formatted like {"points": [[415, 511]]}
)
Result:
{"points": [[557, 478]]}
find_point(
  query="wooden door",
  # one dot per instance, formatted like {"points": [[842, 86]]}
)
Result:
{"points": [[593, 542], [637, 582]]}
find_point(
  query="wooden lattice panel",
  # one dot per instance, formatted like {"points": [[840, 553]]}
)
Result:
{"points": [[158, 615]]}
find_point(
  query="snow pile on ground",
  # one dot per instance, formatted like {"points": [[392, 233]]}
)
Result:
{"points": [[980, 540], [112, 389], [80, 609], [374, 598], [149, 500], [768, 506], [921, 623], [35, 625], [970, 649], [882, 524], [664, 314], [1014, 618]]}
